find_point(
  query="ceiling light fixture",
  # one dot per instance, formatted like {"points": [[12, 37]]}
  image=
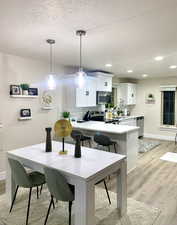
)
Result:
{"points": [[173, 67], [51, 80], [158, 58], [144, 75], [108, 65], [81, 75], [129, 71]]}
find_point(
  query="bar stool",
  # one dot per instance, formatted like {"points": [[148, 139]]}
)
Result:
{"points": [[83, 138], [105, 141]]}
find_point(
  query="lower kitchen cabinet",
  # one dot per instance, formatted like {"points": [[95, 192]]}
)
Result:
{"points": [[129, 122]]}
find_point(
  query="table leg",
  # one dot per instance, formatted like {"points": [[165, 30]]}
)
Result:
{"points": [[122, 188], [84, 203], [10, 184]]}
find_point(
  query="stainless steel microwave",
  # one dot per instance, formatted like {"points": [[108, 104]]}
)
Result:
{"points": [[103, 97]]}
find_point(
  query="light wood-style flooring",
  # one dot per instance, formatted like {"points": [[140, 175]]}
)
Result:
{"points": [[153, 182]]}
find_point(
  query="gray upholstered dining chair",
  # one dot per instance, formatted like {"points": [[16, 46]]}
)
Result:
{"points": [[59, 189], [25, 180]]}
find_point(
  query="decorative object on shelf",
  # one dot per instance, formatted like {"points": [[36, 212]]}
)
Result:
{"points": [[25, 113], [66, 115], [81, 75], [15, 90], [51, 83], [150, 99], [24, 88], [33, 91], [47, 100], [63, 128], [77, 153], [48, 146]]}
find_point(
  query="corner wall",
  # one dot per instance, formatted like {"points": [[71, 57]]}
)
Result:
{"points": [[16, 134], [152, 112]]}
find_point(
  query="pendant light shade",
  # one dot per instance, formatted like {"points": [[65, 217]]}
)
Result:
{"points": [[81, 75], [51, 83]]}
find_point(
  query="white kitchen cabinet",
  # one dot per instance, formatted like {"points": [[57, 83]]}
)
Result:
{"points": [[104, 82], [128, 93], [86, 97]]}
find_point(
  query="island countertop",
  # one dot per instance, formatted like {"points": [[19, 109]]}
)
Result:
{"points": [[104, 127]]}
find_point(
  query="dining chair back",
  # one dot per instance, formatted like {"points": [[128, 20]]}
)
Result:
{"points": [[25, 180], [59, 189], [19, 174], [57, 185]]}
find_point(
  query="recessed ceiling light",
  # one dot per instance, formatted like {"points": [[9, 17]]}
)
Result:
{"points": [[173, 67], [159, 58], [108, 65], [144, 75], [129, 71]]}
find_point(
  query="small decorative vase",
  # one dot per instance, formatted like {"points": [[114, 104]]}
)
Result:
{"points": [[77, 147], [48, 147]]}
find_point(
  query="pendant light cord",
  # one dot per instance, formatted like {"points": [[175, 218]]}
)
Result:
{"points": [[51, 61], [80, 51]]}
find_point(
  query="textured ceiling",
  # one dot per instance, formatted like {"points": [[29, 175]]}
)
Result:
{"points": [[126, 33]]}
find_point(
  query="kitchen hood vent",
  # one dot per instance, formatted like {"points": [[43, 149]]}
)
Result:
{"points": [[97, 71]]}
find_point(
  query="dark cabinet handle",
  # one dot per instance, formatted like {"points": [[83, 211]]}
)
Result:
{"points": [[105, 84], [132, 95], [87, 93]]}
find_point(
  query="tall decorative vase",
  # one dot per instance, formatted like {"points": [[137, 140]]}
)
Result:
{"points": [[48, 147], [78, 147]]}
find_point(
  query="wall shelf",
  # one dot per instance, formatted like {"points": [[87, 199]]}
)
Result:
{"points": [[25, 118], [24, 96], [47, 107]]}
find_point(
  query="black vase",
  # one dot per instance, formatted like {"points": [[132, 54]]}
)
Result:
{"points": [[77, 147], [48, 146]]}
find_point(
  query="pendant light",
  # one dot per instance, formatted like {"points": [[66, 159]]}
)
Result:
{"points": [[81, 75], [51, 83]]}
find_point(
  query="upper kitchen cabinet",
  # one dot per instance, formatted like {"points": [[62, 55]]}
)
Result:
{"points": [[104, 82], [128, 93], [86, 97]]}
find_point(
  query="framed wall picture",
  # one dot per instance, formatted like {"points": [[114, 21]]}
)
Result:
{"points": [[33, 91], [15, 90], [25, 113]]}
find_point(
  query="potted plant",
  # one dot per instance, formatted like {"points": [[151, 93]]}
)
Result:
{"points": [[24, 88], [150, 97], [66, 115]]}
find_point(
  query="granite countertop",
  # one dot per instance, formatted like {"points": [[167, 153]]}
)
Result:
{"points": [[104, 127]]}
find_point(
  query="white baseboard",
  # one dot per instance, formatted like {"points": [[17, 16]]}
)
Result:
{"points": [[160, 137], [2, 175]]}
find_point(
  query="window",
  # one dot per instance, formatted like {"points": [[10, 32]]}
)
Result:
{"points": [[168, 107]]}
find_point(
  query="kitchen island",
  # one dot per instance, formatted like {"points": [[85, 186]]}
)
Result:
{"points": [[125, 136]]}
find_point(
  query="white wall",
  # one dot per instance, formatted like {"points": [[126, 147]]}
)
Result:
{"points": [[15, 134], [152, 112]]}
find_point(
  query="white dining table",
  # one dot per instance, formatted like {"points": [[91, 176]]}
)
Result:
{"points": [[84, 173]]}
